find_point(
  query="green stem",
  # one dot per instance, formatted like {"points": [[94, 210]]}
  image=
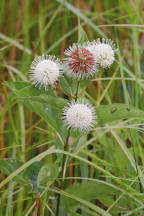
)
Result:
{"points": [[136, 164], [76, 95], [64, 159], [140, 185], [62, 173]]}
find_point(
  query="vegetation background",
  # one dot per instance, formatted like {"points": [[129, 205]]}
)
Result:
{"points": [[108, 174]]}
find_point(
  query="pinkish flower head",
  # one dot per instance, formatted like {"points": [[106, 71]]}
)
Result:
{"points": [[80, 62]]}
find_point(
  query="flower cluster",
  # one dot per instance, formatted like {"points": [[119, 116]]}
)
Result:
{"points": [[81, 62]]}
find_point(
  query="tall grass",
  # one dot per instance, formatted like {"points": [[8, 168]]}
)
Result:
{"points": [[111, 159]]}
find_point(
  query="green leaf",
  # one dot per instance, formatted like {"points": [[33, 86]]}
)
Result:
{"points": [[25, 89], [65, 85], [31, 173], [86, 191], [82, 36], [45, 104], [69, 85], [28, 177], [47, 174], [117, 111], [7, 166]]}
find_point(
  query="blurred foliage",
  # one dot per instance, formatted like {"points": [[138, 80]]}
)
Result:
{"points": [[105, 167]]}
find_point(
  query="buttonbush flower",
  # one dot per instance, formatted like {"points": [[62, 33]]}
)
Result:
{"points": [[103, 51], [80, 62], [45, 71], [79, 116]]}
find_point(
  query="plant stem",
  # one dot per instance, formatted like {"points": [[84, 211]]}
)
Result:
{"points": [[140, 185], [136, 164], [64, 159], [76, 95], [62, 173]]}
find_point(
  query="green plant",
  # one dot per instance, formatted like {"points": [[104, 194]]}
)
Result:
{"points": [[99, 174]]}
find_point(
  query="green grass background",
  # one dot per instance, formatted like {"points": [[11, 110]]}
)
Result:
{"points": [[29, 28]]}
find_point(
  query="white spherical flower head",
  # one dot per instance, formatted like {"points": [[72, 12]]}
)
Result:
{"points": [[45, 71], [79, 116], [80, 62], [104, 52]]}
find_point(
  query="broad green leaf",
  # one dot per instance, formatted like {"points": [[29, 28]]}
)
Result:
{"points": [[7, 166], [25, 89], [65, 85], [86, 191], [45, 104], [49, 107], [28, 177], [44, 110], [69, 85], [86, 203], [47, 174], [31, 173], [117, 111]]}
